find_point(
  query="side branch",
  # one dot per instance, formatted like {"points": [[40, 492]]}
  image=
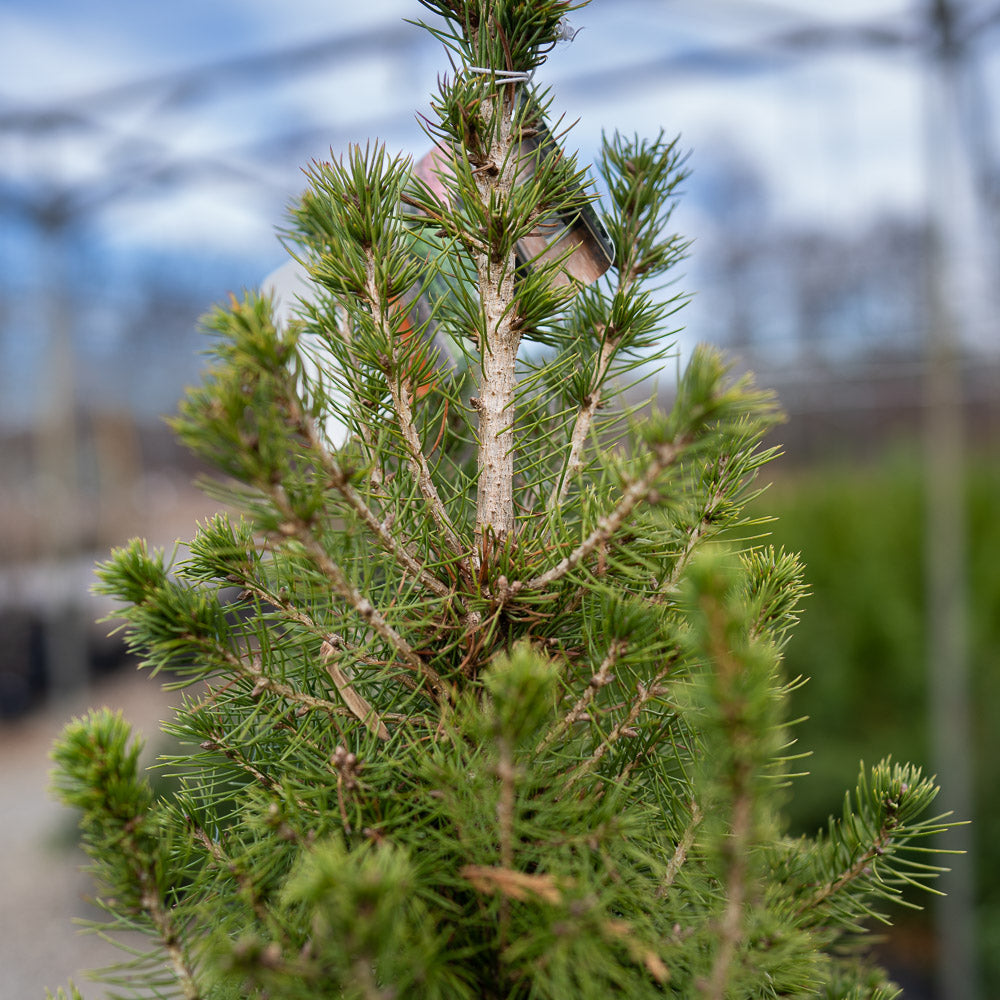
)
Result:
{"points": [[602, 678], [151, 901], [346, 335], [339, 480], [739, 779], [401, 401], [608, 526], [695, 533], [585, 415], [252, 670], [239, 875], [644, 694], [407, 561], [582, 425], [402, 404], [163, 921], [298, 529], [446, 223], [680, 852], [218, 744], [334, 640], [860, 867]]}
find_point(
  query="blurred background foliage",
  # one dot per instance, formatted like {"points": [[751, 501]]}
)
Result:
{"points": [[862, 643]]}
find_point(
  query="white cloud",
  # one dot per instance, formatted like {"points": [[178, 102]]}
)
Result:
{"points": [[43, 61], [304, 18], [203, 218]]}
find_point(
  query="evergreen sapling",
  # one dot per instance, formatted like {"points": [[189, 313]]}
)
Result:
{"points": [[498, 710]]}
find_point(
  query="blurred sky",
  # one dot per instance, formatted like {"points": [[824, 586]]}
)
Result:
{"points": [[841, 130], [153, 130]]}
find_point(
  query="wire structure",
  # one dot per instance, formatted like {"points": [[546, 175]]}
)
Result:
{"points": [[131, 129]]}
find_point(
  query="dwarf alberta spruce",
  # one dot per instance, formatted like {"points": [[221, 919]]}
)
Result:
{"points": [[484, 699]]}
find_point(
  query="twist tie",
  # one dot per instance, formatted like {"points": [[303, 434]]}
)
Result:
{"points": [[503, 75]]}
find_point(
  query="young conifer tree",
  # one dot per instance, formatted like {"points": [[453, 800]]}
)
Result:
{"points": [[498, 710]]}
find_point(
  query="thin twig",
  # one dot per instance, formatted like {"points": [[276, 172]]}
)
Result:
{"points": [[401, 401], [340, 643], [602, 678], [402, 405], [297, 528], [582, 425], [152, 903], [643, 954], [362, 967], [388, 541], [262, 682], [680, 851], [251, 670], [607, 527], [731, 925], [403, 555], [347, 766], [216, 745], [644, 694], [335, 640], [346, 335], [696, 532], [340, 481], [858, 868], [241, 877], [611, 341], [467, 239], [505, 821]]}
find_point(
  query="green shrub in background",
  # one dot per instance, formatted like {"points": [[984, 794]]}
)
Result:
{"points": [[862, 640]]}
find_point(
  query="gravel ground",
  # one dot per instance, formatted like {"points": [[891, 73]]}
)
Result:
{"points": [[41, 888]]}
